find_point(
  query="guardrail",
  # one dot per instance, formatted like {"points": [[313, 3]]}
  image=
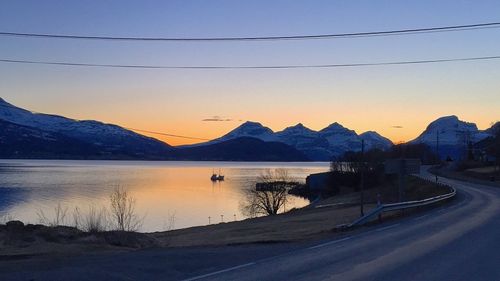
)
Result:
{"points": [[404, 205]]}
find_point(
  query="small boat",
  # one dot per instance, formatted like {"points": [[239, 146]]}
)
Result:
{"points": [[217, 177], [220, 177]]}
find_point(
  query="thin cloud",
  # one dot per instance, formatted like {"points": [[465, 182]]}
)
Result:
{"points": [[397, 126], [217, 119]]}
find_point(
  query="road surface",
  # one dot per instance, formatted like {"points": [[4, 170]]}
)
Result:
{"points": [[458, 241]]}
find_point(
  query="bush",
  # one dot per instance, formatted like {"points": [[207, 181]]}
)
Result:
{"points": [[123, 213]]}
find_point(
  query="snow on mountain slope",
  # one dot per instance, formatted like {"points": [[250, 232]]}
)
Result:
{"points": [[452, 132], [249, 129], [110, 137], [375, 140], [297, 135], [306, 140], [340, 139]]}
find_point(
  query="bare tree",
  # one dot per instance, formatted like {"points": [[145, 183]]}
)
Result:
{"points": [[123, 213], [270, 194]]}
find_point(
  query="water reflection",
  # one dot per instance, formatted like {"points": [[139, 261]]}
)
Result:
{"points": [[161, 188]]}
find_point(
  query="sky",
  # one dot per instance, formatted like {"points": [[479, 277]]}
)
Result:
{"points": [[178, 101]]}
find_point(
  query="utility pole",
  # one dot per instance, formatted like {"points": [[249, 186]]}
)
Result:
{"points": [[362, 183], [402, 174], [437, 152], [437, 145], [402, 179]]}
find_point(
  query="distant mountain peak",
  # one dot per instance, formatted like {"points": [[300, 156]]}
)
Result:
{"points": [[249, 129], [448, 117], [375, 140], [251, 124], [334, 127], [337, 128], [451, 122], [370, 133], [299, 128]]}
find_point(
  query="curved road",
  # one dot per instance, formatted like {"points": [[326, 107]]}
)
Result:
{"points": [[458, 241]]}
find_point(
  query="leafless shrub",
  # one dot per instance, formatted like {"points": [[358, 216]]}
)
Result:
{"points": [[95, 220], [270, 195], [77, 218], [6, 217], [169, 223], [59, 217], [123, 213]]}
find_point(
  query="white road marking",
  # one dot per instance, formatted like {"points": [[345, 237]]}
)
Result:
{"points": [[329, 243], [219, 272], [421, 217], [387, 227], [310, 248]]}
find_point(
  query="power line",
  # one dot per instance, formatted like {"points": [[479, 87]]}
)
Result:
{"points": [[132, 129], [386, 63], [264, 38], [166, 134]]}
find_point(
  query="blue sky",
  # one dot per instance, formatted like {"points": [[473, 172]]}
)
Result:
{"points": [[177, 100]]}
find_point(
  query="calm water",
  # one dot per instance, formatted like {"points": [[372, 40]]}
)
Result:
{"points": [[162, 189]]}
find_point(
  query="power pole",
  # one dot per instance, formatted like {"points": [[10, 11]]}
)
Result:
{"points": [[437, 146], [437, 152], [402, 179], [362, 184], [402, 175]]}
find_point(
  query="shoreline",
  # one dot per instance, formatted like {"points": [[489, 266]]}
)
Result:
{"points": [[305, 224]]}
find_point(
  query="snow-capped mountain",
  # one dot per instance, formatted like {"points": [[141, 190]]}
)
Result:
{"points": [[110, 138], [249, 129], [332, 141], [306, 140], [340, 139], [454, 136], [298, 136], [375, 140], [451, 131]]}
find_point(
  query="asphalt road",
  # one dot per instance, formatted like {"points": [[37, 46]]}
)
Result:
{"points": [[458, 241]]}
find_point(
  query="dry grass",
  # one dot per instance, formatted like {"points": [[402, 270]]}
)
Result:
{"points": [[296, 225]]}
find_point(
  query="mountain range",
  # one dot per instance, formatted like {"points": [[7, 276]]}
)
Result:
{"points": [[330, 142], [25, 134]]}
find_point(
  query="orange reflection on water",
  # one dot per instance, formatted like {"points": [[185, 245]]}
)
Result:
{"points": [[161, 189]]}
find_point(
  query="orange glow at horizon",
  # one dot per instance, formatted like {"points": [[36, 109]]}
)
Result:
{"points": [[397, 132]]}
